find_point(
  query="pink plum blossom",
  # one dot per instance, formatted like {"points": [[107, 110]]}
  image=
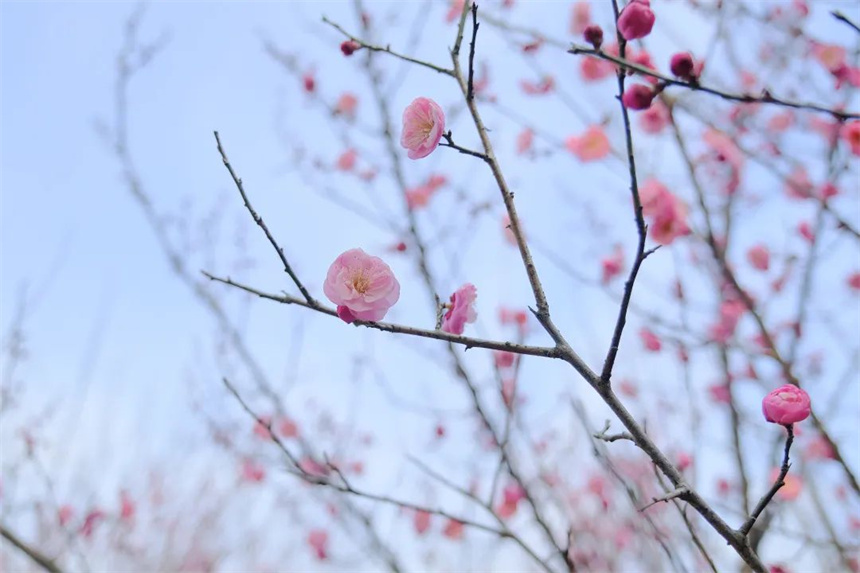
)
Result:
{"points": [[798, 185], [308, 82], [650, 340], [524, 141], [532, 47], [804, 229], [720, 393], [127, 506], [731, 312], [759, 257], [636, 20], [312, 467], [851, 135], [819, 449], [511, 495], [362, 286], [261, 428], [318, 541], [611, 265], [580, 17], [593, 69], [786, 405], [346, 161], [667, 214], [544, 86], [453, 529], [421, 520], [423, 127], [669, 223], [252, 471], [460, 310], [792, 488], [346, 105], [454, 10], [91, 520], [65, 514], [591, 145], [287, 428], [654, 119], [854, 281], [503, 359], [420, 196]]}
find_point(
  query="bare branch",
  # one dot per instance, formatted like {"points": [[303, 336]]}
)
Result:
{"points": [[467, 341], [780, 481], [388, 50], [262, 224], [765, 98], [35, 556]]}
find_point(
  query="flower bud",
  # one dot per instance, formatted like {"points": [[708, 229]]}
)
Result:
{"points": [[593, 34], [638, 97], [349, 47], [682, 65]]}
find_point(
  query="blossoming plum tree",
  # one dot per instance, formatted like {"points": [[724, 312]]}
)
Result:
{"points": [[723, 190]]}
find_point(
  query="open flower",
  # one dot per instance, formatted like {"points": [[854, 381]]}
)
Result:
{"points": [[362, 286], [461, 309], [423, 126], [786, 405], [591, 145]]}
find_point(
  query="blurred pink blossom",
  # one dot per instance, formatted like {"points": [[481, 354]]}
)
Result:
{"points": [[759, 257], [591, 145], [650, 340]]}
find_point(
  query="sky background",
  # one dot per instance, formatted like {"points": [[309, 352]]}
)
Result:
{"points": [[122, 366]]}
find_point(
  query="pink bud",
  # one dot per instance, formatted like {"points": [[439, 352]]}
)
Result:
{"points": [[650, 340], [682, 65], [636, 20], [503, 359], [786, 405], [309, 82], [759, 257], [593, 34], [638, 97], [421, 521], [349, 47]]}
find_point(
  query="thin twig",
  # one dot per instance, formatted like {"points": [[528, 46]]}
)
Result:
{"points": [[765, 98], [470, 93], [388, 50], [467, 341], [641, 228], [602, 435], [262, 224], [680, 492], [780, 481], [843, 18], [35, 556], [449, 142]]}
